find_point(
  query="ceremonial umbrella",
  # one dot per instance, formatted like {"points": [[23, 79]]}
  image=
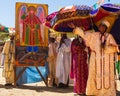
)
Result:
{"points": [[79, 15], [49, 18], [107, 12], [82, 16], [111, 13]]}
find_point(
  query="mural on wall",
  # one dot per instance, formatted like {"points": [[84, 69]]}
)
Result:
{"points": [[29, 24]]}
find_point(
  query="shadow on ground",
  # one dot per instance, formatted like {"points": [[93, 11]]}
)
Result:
{"points": [[44, 88], [41, 88]]}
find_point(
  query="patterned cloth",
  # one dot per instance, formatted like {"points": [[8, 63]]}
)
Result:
{"points": [[101, 79], [8, 61], [79, 67]]}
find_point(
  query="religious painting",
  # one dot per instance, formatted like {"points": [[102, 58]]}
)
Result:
{"points": [[30, 29]]}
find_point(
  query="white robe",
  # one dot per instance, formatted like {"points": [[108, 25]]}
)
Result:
{"points": [[52, 63], [63, 62]]}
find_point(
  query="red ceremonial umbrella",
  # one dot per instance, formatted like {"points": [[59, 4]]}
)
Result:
{"points": [[49, 19], [107, 12], [78, 15]]}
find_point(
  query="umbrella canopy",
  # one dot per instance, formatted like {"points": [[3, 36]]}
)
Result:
{"points": [[50, 18], [109, 12], [78, 15], [82, 16]]}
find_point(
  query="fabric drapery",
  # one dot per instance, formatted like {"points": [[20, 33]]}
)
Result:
{"points": [[79, 67], [101, 78]]}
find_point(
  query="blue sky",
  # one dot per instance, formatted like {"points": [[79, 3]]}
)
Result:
{"points": [[7, 7]]}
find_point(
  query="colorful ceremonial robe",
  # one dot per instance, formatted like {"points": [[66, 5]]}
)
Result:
{"points": [[101, 78], [8, 53], [32, 30], [79, 66]]}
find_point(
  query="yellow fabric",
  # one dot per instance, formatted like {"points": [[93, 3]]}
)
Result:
{"points": [[111, 19], [8, 52], [111, 46], [101, 80], [52, 63], [118, 57]]}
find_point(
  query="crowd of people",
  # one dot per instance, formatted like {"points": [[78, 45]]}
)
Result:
{"points": [[89, 60]]}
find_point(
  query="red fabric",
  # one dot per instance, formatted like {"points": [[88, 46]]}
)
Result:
{"points": [[100, 15], [79, 67], [51, 16], [86, 23], [32, 22]]}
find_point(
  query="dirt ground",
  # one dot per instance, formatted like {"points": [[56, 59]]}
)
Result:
{"points": [[37, 89]]}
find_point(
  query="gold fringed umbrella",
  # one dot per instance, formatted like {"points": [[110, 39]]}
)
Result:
{"points": [[78, 15]]}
